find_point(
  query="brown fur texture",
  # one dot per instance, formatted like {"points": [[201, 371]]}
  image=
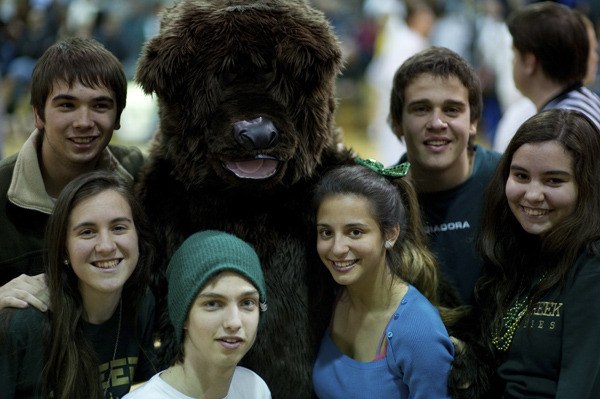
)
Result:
{"points": [[252, 81]]}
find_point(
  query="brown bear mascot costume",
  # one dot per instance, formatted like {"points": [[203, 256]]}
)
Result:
{"points": [[246, 103]]}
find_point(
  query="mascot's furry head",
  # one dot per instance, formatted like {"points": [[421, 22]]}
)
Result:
{"points": [[254, 79]]}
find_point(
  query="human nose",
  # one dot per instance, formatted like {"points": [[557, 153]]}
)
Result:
{"points": [[232, 320], [83, 118], [105, 243], [437, 121], [339, 247], [534, 192]]}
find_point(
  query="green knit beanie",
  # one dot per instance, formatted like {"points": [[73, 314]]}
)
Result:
{"points": [[198, 259]]}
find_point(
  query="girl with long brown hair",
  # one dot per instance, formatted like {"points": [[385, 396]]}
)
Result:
{"points": [[96, 339]]}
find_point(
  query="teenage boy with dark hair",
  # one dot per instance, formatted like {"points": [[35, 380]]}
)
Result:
{"points": [[78, 92], [435, 107]]}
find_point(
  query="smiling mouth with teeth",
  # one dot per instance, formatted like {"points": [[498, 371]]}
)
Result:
{"points": [[437, 142], [106, 264], [341, 264], [82, 140], [535, 212]]}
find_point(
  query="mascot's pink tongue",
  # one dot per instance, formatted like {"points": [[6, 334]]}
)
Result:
{"points": [[254, 169]]}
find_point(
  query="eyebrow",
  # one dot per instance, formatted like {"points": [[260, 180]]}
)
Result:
{"points": [[113, 221], [346, 225], [445, 102], [211, 294], [548, 172], [455, 102], [419, 101], [71, 98]]}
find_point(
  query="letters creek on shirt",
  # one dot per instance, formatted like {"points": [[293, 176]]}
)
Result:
{"points": [[543, 316], [447, 227]]}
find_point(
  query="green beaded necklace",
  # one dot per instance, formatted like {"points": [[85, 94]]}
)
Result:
{"points": [[503, 336]]}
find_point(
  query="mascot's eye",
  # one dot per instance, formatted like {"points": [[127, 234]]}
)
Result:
{"points": [[228, 77], [247, 73]]}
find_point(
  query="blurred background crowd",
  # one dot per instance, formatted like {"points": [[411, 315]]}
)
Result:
{"points": [[376, 37]]}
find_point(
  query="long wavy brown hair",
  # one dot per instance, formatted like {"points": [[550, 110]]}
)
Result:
{"points": [[71, 367]]}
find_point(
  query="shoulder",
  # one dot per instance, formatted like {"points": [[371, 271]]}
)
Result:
{"points": [[247, 384], [7, 167], [588, 262], [8, 162], [28, 318], [415, 302], [484, 165], [417, 319], [23, 326], [486, 156], [155, 388], [130, 157]]}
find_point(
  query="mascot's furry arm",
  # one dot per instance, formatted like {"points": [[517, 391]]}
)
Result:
{"points": [[473, 369]]}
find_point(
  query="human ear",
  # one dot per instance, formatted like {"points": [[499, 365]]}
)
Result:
{"points": [[529, 63], [397, 129], [391, 235], [473, 128], [37, 119]]}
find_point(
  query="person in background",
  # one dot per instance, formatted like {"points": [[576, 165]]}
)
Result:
{"points": [[537, 298], [78, 92], [96, 339], [215, 296], [435, 107], [386, 339], [405, 31], [551, 54], [524, 108]]}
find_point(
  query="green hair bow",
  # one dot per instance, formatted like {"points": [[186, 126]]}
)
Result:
{"points": [[393, 171]]}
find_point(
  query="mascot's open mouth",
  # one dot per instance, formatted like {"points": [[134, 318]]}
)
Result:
{"points": [[261, 167]]}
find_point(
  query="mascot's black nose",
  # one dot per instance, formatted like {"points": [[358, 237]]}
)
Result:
{"points": [[257, 134]]}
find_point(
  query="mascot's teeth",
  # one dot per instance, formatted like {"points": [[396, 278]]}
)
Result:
{"points": [[249, 167], [254, 169]]}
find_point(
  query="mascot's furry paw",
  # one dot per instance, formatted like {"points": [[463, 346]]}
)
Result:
{"points": [[246, 101], [473, 371]]}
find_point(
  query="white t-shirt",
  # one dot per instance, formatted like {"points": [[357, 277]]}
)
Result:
{"points": [[245, 384]]}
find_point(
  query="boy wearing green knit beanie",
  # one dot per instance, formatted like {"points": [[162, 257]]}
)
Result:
{"points": [[216, 293]]}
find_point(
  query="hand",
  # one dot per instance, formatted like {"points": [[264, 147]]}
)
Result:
{"points": [[24, 291]]}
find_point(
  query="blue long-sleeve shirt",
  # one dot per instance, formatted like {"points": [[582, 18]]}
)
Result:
{"points": [[416, 363]]}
